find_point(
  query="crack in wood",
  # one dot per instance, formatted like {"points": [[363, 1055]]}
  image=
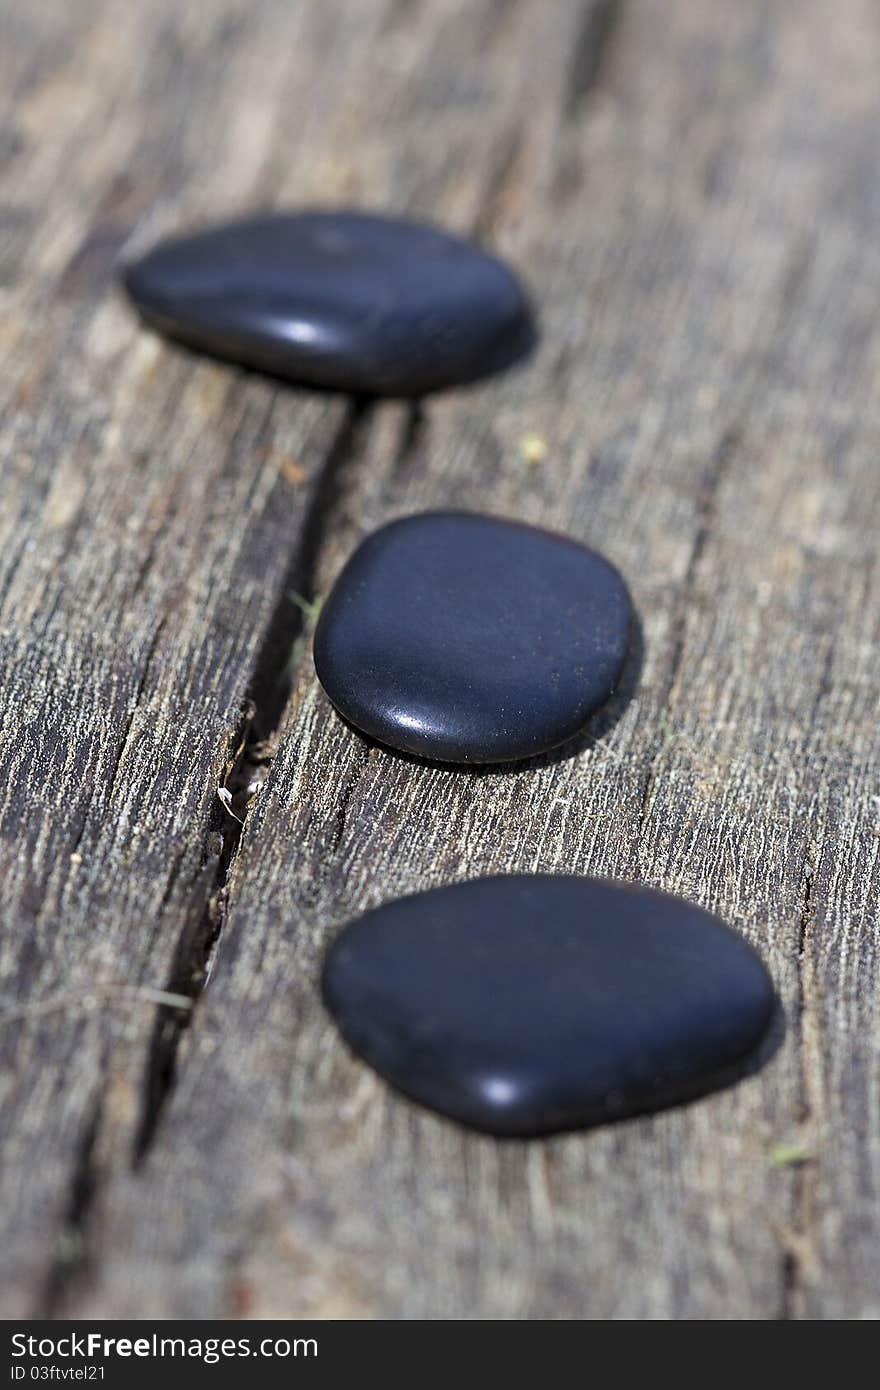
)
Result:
{"points": [[73, 1257], [412, 438], [796, 1240], [504, 180], [598, 24], [337, 830], [188, 975], [345, 800], [272, 680], [253, 742]]}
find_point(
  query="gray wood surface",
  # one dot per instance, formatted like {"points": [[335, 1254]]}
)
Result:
{"points": [[690, 190]]}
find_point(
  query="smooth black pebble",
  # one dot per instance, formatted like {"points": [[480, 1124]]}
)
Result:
{"points": [[531, 1004], [466, 639], [339, 300]]}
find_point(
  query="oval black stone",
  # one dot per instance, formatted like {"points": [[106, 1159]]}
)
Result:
{"points": [[468, 639], [339, 300], [526, 1005]]}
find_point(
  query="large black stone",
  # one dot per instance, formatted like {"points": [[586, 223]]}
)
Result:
{"points": [[527, 1005], [338, 300], [467, 639]]}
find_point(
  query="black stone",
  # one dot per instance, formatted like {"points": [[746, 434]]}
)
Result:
{"points": [[528, 1005], [464, 638], [339, 300]]}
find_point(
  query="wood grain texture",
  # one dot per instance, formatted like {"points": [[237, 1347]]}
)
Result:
{"points": [[689, 189]]}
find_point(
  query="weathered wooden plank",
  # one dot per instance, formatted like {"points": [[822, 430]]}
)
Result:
{"points": [[691, 206], [688, 188]]}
